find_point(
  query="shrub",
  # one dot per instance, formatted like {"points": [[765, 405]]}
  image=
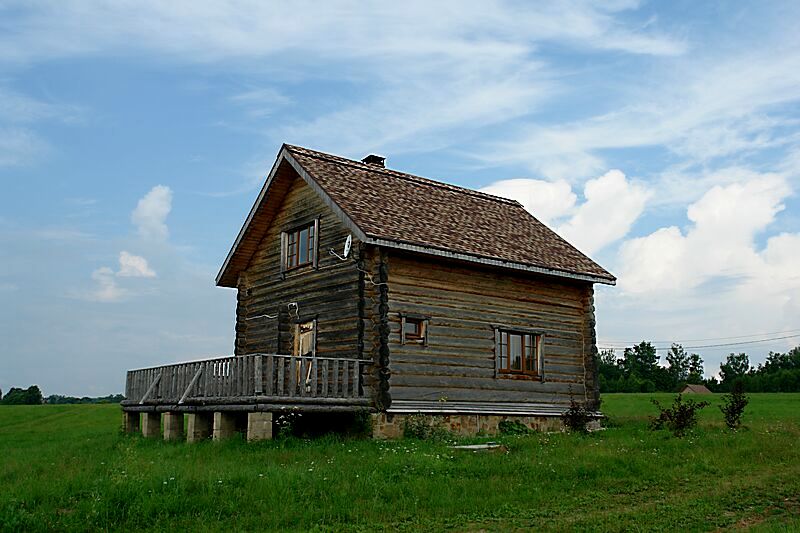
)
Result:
{"points": [[425, 427], [679, 418], [286, 423], [513, 427], [577, 416], [733, 405]]}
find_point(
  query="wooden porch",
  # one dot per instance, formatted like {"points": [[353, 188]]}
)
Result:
{"points": [[256, 382]]}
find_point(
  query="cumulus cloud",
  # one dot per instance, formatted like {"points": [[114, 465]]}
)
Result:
{"points": [[719, 242], [151, 212], [546, 200], [107, 287], [134, 266], [612, 204]]}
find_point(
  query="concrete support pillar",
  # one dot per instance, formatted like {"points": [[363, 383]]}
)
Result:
{"points": [[173, 426], [130, 422], [151, 424], [259, 426], [224, 425], [199, 426]]}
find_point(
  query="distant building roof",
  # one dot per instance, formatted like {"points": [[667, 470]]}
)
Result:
{"points": [[398, 210], [695, 389]]}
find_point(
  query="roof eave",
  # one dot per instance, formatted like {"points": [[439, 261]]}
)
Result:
{"points": [[222, 275], [411, 247]]}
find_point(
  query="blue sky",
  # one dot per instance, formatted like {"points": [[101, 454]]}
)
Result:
{"points": [[660, 138]]}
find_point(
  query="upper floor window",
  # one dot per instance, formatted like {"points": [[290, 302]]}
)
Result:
{"points": [[300, 246], [519, 352]]}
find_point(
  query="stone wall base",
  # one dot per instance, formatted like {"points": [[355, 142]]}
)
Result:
{"points": [[390, 426]]}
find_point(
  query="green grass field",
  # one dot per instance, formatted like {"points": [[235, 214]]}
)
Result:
{"points": [[69, 468]]}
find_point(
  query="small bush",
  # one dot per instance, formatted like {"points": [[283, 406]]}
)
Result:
{"points": [[425, 427], [733, 405], [679, 418], [577, 416], [513, 427], [287, 423]]}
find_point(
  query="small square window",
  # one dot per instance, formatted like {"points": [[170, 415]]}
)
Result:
{"points": [[414, 330]]}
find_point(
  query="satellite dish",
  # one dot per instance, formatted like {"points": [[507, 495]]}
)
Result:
{"points": [[348, 243]]}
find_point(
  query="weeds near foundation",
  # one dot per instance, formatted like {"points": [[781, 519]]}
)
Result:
{"points": [[286, 423], [425, 427], [513, 427], [577, 416]]}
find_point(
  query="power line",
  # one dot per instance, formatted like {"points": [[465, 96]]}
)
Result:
{"points": [[628, 343], [717, 345]]}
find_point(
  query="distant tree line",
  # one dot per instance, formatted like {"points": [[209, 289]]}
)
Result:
{"points": [[639, 370], [59, 399], [33, 396]]}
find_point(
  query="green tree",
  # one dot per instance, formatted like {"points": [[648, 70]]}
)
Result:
{"points": [[696, 370], [640, 360], [735, 367], [678, 364], [30, 396]]}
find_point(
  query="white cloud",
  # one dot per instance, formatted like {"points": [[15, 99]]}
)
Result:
{"points": [[611, 207], [151, 212], [134, 266], [719, 243], [107, 289], [548, 201], [19, 146]]}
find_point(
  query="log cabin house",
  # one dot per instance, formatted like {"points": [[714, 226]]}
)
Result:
{"points": [[364, 288]]}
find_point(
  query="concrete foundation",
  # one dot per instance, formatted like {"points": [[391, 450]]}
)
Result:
{"points": [[151, 424], [224, 425], [199, 426], [131, 422], [173, 426], [259, 426], [390, 426]]}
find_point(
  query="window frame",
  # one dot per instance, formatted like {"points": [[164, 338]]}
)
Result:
{"points": [[537, 339], [423, 322], [312, 246]]}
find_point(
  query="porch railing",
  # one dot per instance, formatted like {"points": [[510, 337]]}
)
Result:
{"points": [[248, 379]]}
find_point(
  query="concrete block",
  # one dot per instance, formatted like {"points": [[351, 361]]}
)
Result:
{"points": [[224, 425], [199, 426], [173, 426], [259, 426], [151, 424], [131, 422]]}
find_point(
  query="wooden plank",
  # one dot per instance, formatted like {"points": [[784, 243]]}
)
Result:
{"points": [[292, 376], [356, 378], [325, 378], [314, 373], [335, 379], [302, 375], [191, 385], [151, 388], [281, 362], [258, 377], [270, 378]]}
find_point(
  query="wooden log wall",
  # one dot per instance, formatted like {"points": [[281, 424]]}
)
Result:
{"points": [[328, 293], [463, 303]]}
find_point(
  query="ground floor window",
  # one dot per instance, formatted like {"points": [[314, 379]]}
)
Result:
{"points": [[518, 352]]}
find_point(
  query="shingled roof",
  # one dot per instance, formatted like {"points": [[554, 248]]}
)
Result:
{"points": [[398, 210]]}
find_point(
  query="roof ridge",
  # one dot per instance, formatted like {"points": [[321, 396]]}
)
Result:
{"points": [[404, 175]]}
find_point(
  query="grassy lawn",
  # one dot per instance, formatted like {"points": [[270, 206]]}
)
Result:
{"points": [[68, 468]]}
